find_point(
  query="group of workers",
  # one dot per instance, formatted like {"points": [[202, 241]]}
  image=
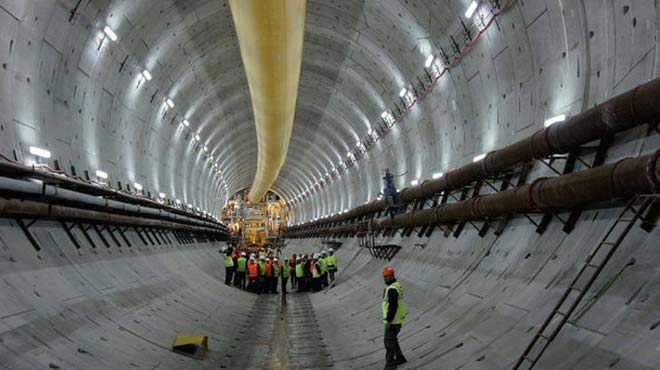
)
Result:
{"points": [[261, 273], [311, 272]]}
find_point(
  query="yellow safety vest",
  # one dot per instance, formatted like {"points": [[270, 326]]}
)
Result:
{"points": [[332, 260], [229, 262], [324, 265], [242, 264], [299, 270], [401, 309], [315, 274]]}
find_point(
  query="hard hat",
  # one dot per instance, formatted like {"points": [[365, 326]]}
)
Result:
{"points": [[267, 259], [275, 260], [243, 254], [323, 253], [262, 258], [331, 250], [251, 258], [299, 259], [388, 271]]}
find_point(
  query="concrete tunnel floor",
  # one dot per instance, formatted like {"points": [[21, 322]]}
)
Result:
{"points": [[473, 303]]}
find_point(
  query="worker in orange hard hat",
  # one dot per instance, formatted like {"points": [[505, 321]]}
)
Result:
{"points": [[394, 312]]}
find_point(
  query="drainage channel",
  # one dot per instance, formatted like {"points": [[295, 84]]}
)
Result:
{"points": [[252, 343], [306, 347]]}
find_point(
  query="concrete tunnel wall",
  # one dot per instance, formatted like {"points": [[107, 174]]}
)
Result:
{"points": [[472, 301]]}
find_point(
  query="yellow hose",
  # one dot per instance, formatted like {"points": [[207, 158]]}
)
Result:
{"points": [[270, 34]]}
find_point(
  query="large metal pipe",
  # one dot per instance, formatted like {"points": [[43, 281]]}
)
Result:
{"points": [[622, 179], [28, 208], [80, 187], [630, 109], [48, 193], [270, 34]]}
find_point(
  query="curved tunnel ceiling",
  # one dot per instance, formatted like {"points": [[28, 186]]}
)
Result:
{"points": [[357, 56]]}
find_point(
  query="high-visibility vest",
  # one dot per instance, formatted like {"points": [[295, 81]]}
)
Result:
{"points": [[332, 260], [315, 274], [401, 309], [299, 270], [324, 265], [285, 272], [262, 253], [242, 263], [228, 261], [262, 269], [253, 270], [292, 264], [269, 268]]}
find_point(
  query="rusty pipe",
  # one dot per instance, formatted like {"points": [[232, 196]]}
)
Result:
{"points": [[623, 179], [620, 113], [29, 208]]}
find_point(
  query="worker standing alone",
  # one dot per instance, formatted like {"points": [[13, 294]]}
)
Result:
{"points": [[332, 264], [229, 268], [394, 312]]}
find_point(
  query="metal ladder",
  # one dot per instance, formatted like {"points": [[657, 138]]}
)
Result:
{"points": [[593, 266]]}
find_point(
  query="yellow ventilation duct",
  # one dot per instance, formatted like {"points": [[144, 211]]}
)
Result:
{"points": [[270, 34]]}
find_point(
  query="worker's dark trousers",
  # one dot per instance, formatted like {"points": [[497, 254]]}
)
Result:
{"points": [[260, 284], [229, 273], [324, 279], [332, 275], [240, 279], [252, 285], [293, 279], [284, 280], [392, 350], [316, 284]]}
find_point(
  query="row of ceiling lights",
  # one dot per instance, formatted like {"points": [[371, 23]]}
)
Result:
{"points": [[435, 65], [169, 104], [102, 176]]}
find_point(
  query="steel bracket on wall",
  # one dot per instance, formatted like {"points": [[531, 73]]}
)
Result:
{"points": [[26, 230]]}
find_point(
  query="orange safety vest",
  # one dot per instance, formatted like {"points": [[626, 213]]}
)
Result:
{"points": [[269, 270], [234, 255], [252, 270], [292, 264]]}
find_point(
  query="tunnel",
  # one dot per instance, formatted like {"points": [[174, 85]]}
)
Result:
{"points": [[501, 156]]}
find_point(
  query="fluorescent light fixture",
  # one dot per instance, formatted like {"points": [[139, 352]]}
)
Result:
{"points": [[186, 123], [169, 103], [137, 186], [147, 75], [369, 131], [101, 175], [471, 9], [415, 182], [551, 121], [437, 175], [206, 149], [197, 137], [40, 152], [111, 34], [384, 115], [479, 157], [189, 205], [161, 195], [403, 92], [429, 60], [178, 201]]}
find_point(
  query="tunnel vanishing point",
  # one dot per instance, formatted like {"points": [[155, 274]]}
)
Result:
{"points": [[502, 157]]}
